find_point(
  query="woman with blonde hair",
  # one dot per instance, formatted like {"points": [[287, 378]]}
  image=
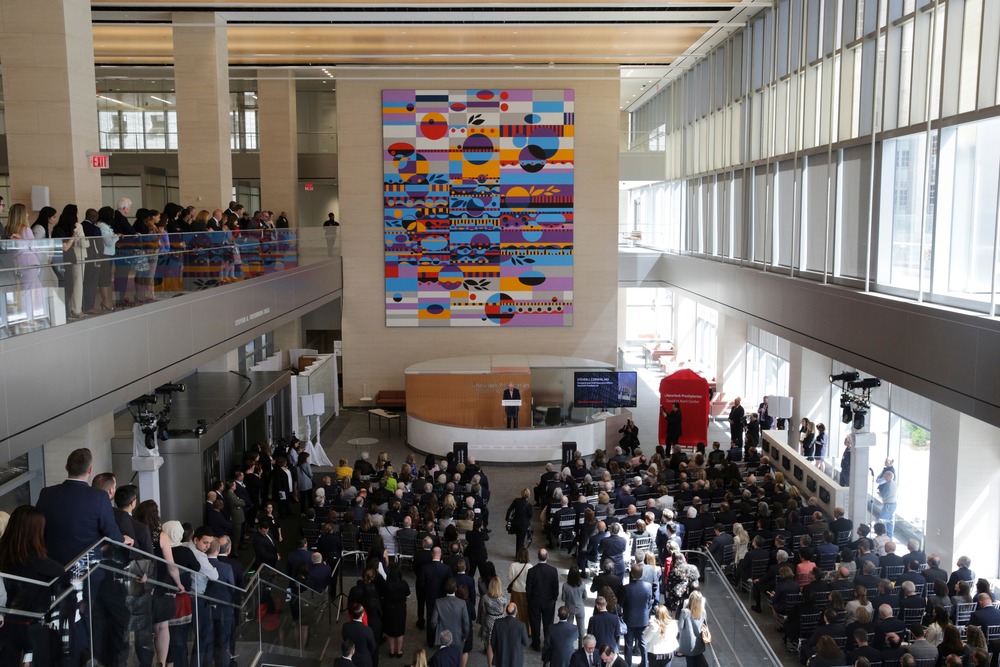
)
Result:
{"points": [[741, 542], [493, 607], [26, 259], [692, 621], [419, 658], [661, 637]]}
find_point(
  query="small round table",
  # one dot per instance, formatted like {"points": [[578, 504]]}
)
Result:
{"points": [[360, 443]]}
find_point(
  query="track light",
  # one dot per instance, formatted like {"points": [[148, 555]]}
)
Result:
{"points": [[859, 420], [867, 383], [847, 414], [846, 376]]}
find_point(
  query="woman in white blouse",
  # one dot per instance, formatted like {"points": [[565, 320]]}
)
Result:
{"points": [[661, 638]]}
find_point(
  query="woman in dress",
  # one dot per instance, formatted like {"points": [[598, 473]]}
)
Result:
{"points": [[661, 638], [574, 594], [517, 575], [394, 596], [807, 437], [819, 445], [493, 605]]}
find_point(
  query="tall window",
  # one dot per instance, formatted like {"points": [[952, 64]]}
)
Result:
{"points": [[648, 313], [706, 329]]}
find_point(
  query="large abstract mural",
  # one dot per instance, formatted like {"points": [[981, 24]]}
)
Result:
{"points": [[478, 200]]}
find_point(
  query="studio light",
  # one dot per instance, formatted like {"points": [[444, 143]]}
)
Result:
{"points": [[859, 420], [846, 376], [847, 415], [867, 383]]}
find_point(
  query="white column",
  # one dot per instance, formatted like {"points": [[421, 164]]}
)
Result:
{"points": [[278, 138], [731, 354], [201, 71], [47, 56]]}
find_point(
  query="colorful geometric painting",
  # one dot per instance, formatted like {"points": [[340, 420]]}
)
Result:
{"points": [[478, 197]]}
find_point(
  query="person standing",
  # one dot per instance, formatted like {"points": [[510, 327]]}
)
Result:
{"points": [[560, 642], [887, 491], [636, 602], [508, 639], [331, 228], [542, 590], [736, 422], [586, 655], [845, 464], [433, 576], [692, 620], [674, 427], [452, 615], [661, 638], [511, 393], [355, 631], [519, 518]]}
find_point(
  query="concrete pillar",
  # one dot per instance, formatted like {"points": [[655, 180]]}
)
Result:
{"points": [[278, 139], [47, 61], [964, 465], [95, 435], [201, 71], [731, 353]]}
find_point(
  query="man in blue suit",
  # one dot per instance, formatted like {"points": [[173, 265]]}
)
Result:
{"points": [[637, 600], [613, 547], [560, 642], [77, 515], [604, 626]]}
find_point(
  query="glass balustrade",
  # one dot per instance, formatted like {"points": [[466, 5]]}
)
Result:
{"points": [[110, 604], [40, 287]]}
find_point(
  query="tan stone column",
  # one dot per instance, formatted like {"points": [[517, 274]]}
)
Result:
{"points": [[201, 72], [47, 61], [278, 138]]}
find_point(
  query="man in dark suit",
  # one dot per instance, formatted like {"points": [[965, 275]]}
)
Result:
{"points": [[320, 573], [365, 648], [508, 639], [607, 578], [77, 515], [674, 424], [935, 571], [890, 559], [636, 602], [985, 616], [717, 547], [222, 615], [886, 623], [613, 548], [239, 580], [603, 625], [829, 627], [841, 524], [915, 552], [561, 641], [863, 650], [449, 653], [218, 521], [586, 655], [421, 558], [433, 576], [264, 547], [542, 589], [346, 653], [961, 573], [298, 559], [511, 393], [736, 422]]}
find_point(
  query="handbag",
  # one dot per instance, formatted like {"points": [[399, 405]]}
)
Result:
{"points": [[706, 634], [182, 609]]}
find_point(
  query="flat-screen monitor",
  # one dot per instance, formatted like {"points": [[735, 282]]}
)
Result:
{"points": [[605, 389]]}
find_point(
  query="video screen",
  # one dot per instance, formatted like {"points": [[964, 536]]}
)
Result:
{"points": [[605, 389]]}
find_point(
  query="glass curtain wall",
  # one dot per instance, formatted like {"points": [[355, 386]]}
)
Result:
{"points": [[766, 365], [842, 142], [648, 313]]}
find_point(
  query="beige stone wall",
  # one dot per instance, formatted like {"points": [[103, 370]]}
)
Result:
{"points": [[377, 355], [278, 135]]}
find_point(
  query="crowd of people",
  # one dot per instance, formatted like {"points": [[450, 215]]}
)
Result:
{"points": [[108, 258]]}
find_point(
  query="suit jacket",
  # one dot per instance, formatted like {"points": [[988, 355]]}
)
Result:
{"points": [[219, 524], [512, 394], [719, 544], [890, 560], [542, 586], [447, 656], [217, 590], [296, 560], [613, 547], [961, 574], [884, 627], [560, 642], [265, 549], [365, 648], [431, 580], [508, 639], [581, 659], [236, 505], [636, 601], [605, 627], [985, 617], [922, 649], [452, 613], [343, 662], [76, 516]]}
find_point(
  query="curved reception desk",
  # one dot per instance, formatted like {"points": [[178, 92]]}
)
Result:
{"points": [[492, 445], [459, 400]]}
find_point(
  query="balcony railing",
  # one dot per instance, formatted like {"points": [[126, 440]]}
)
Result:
{"points": [[41, 288]]}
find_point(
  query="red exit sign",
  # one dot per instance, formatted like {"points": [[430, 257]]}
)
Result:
{"points": [[100, 161]]}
